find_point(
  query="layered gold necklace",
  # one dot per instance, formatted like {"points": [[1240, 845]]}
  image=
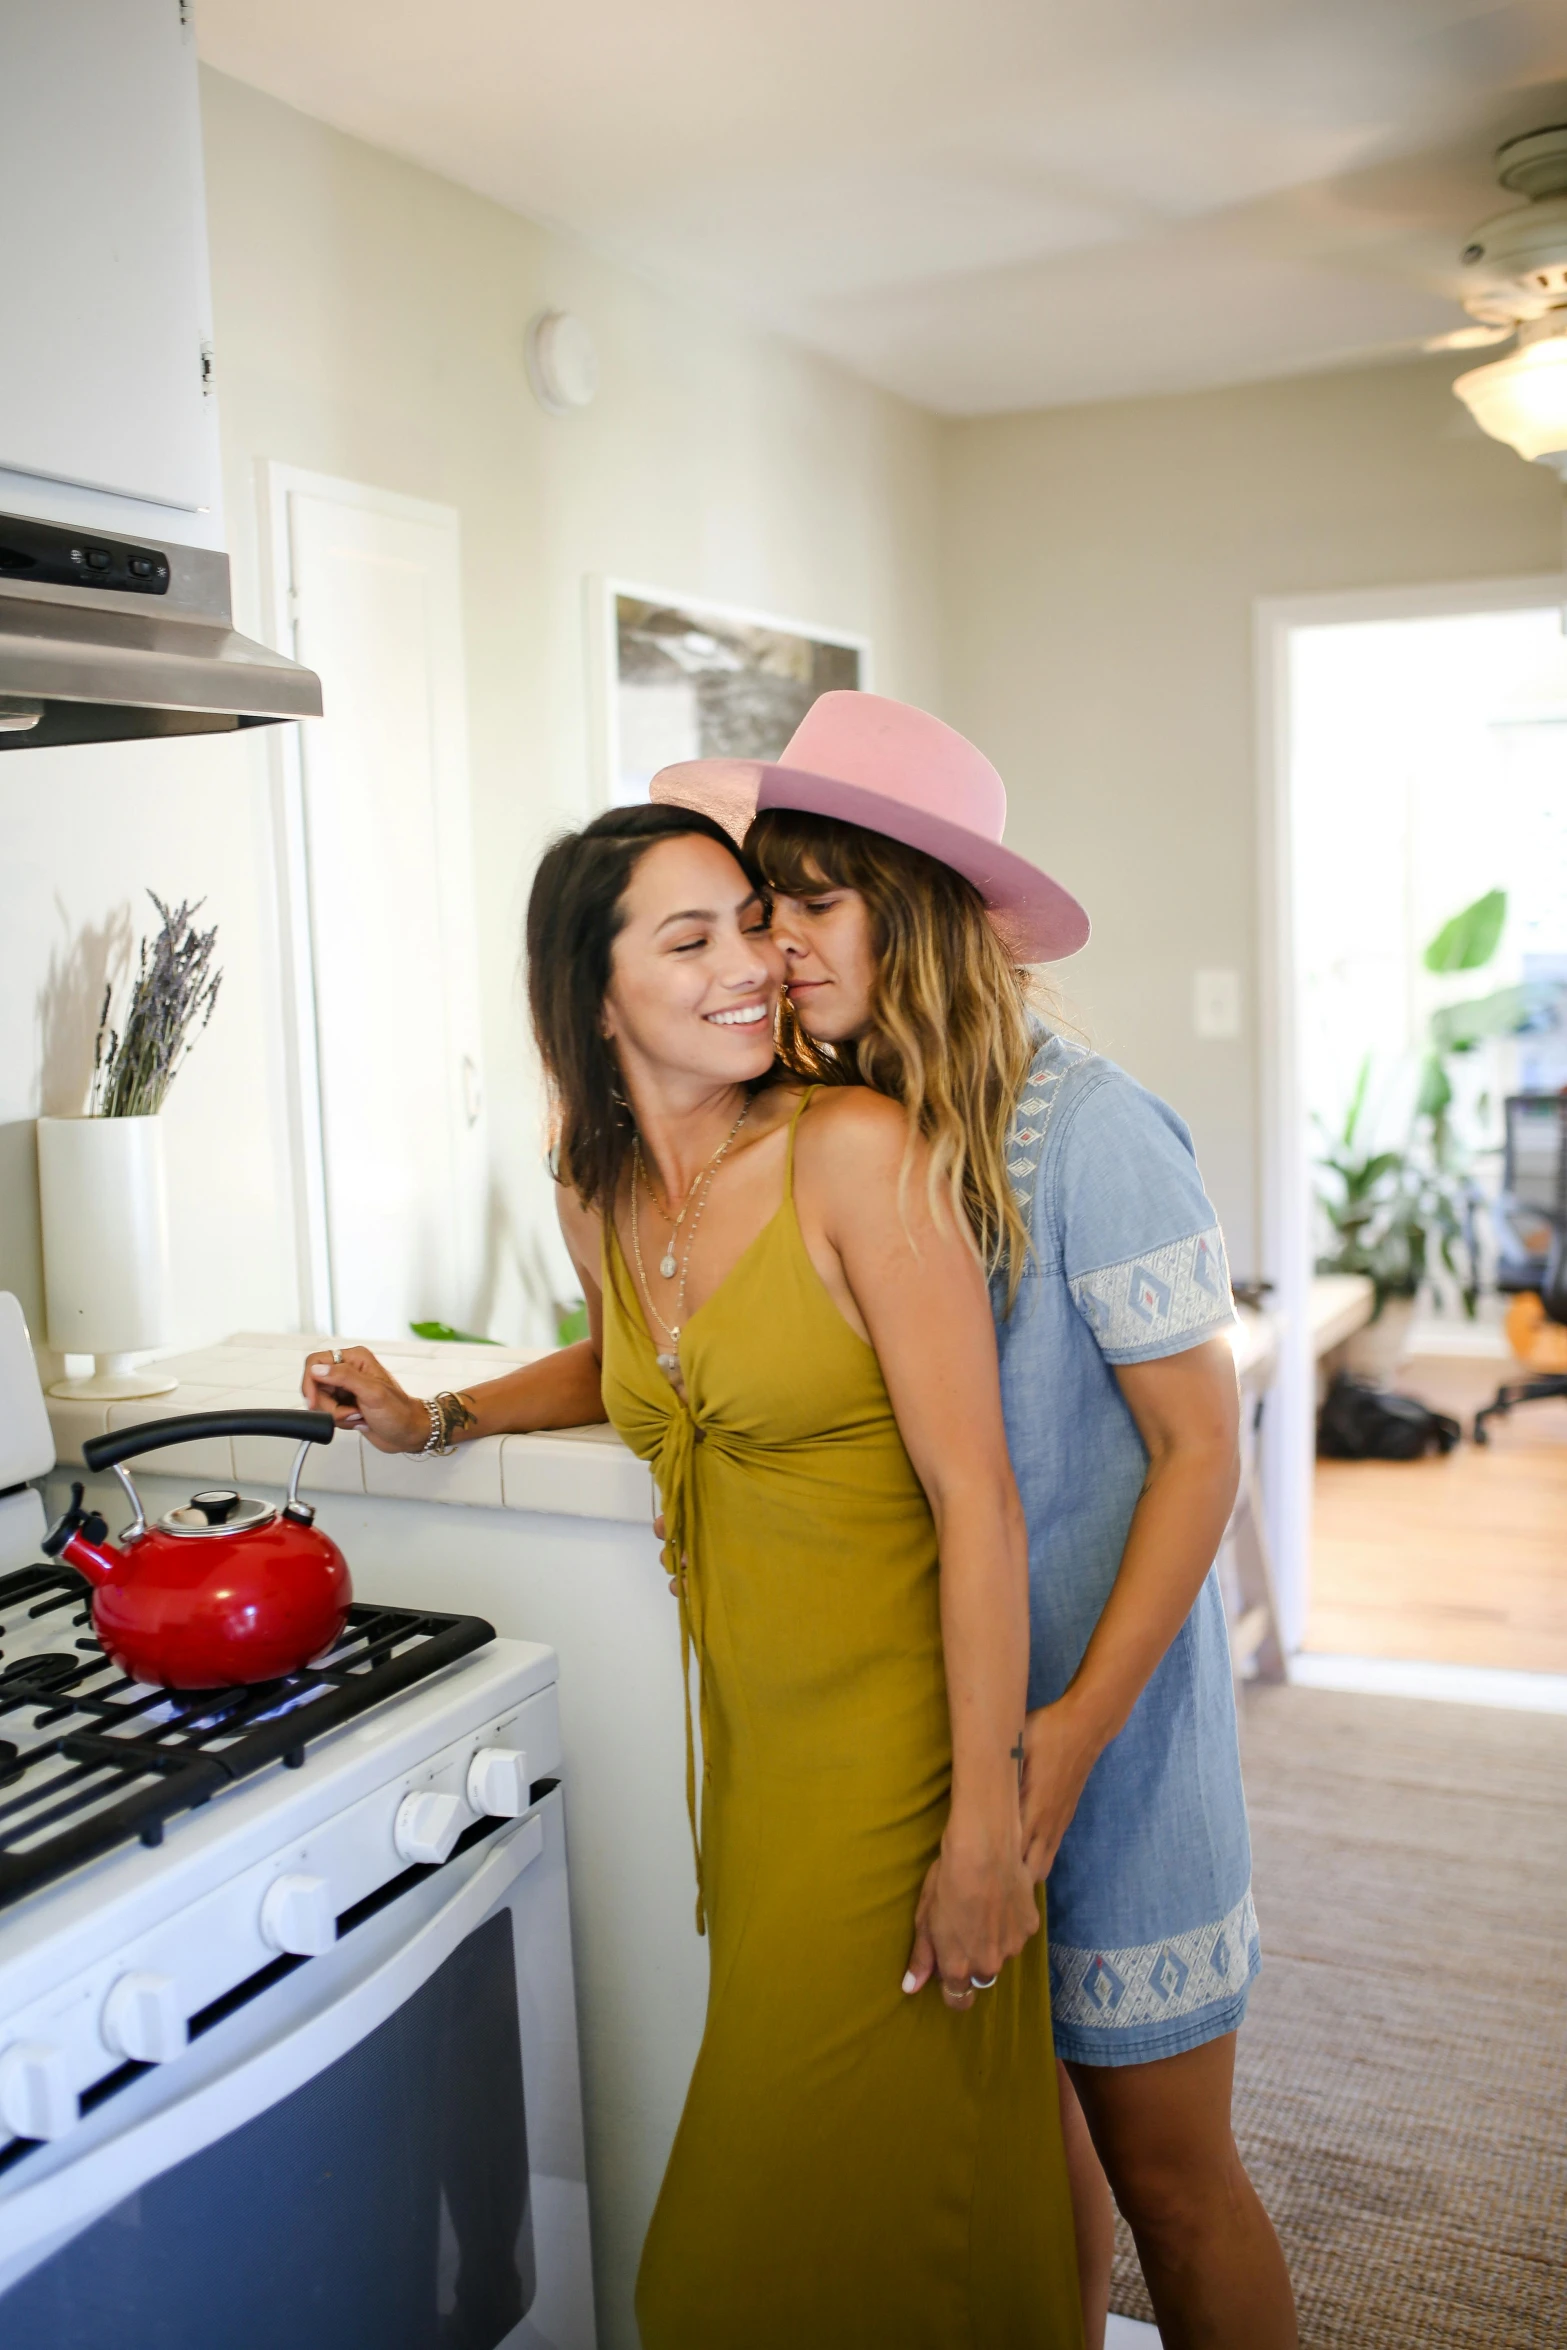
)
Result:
{"points": [[668, 1265]]}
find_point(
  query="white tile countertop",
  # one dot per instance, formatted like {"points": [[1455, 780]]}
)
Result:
{"points": [[573, 1472]]}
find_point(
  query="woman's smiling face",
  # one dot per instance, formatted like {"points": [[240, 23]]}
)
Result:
{"points": [[829, 960], [694, 972]]}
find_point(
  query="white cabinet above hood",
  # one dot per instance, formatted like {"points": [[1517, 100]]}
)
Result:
{"points": [[114, 588], [101, 374]]}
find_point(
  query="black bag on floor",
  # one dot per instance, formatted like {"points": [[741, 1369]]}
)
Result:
{"points": [[1363, 1422]]}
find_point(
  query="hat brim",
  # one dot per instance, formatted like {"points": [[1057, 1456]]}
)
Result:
{"points": [[1041, 921]]}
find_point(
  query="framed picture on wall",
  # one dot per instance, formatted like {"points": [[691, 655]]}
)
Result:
{"points": [[679, 678]]}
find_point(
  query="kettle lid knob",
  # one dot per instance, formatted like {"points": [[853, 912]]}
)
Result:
{"points": [[216, 1506]]}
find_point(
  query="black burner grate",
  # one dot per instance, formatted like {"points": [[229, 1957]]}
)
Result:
{"points": [[90, 1759]]}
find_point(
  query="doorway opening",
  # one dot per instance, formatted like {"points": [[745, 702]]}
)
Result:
{"points": [[1416, 806]]}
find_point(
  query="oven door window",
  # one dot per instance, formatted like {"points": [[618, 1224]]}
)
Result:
{"points": [[385, 2203]]}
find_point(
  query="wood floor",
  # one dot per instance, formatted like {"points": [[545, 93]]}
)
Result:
{"points": [[1460, 1561]]}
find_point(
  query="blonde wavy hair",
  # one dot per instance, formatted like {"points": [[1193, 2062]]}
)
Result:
{"points": [[949, 1034]]}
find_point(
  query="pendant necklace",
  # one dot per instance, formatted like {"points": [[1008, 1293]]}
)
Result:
{"points": [[666, 1263], [669, 1359]]}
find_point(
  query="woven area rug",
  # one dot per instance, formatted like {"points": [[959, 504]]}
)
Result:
{"points": [[1402, 2076]]}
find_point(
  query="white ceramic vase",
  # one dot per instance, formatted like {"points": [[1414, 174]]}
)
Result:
{"points": [[1376, 1351], [106, 1249]]}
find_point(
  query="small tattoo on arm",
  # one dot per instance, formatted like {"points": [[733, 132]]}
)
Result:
{"points": [[1017, 1756], [457, 1413]]}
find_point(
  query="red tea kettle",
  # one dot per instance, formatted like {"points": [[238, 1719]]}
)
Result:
{"points": [[220, 1590]]}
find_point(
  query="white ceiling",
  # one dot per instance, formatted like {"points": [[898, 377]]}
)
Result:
{"points": [[983, 204]]}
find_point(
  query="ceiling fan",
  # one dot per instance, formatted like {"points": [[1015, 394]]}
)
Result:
{"points": [[1515, 286]]}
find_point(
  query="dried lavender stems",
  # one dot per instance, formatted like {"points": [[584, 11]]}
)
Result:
{"points": [[171, 1003]]}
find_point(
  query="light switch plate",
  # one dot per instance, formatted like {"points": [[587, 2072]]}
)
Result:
{"points": [[1216, 1005]]}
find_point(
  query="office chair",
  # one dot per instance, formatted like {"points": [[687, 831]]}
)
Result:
{"points": [[1531, 1227]]}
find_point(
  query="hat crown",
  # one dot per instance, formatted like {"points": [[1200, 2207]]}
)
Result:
{"points": [[902, 754]]}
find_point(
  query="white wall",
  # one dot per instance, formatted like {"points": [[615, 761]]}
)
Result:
{"points": [[369, 323], [1101, 565]]}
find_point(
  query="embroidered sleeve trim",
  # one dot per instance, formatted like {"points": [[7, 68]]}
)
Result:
{"points": [[1118, 1990], [1140, 1305]]}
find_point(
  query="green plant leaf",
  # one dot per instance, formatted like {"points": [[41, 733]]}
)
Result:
{"points": [[571, 1323], [1385, 1163], [444, 1335], [1472, 937], [1436, 1092], [1510, 1011]]}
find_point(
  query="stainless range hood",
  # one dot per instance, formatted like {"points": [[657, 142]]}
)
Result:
{"points": [[104, 638]]}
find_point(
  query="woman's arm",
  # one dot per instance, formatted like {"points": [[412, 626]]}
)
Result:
{"points": [[923, 1299], [560, 1390], [1187, 1412]]}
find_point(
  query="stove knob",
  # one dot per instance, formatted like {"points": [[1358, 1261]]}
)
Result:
{"points": [[498, 1783], [142, 2019], [297, 1916], [36, 2097], [428, 1824]]}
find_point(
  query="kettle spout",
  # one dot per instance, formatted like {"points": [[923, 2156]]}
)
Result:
{"points": [[81, 1538]]}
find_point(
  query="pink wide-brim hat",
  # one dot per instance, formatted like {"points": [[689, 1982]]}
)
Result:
{"points": [[894, 770]]}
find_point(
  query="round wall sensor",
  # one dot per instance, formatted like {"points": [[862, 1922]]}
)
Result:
{"points": [[563, 366]]}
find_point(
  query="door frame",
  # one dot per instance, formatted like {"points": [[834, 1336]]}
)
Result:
{"points": [[276, 484], [1288, 1440]]}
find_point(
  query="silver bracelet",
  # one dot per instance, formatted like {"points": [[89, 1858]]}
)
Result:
{"points": [[444, 1424]]}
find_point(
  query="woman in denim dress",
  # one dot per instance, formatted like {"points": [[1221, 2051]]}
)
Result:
{"points": [[1112, 1303]]}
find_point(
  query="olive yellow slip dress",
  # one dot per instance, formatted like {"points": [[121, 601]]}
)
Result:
{"points": [[855, 2169]]}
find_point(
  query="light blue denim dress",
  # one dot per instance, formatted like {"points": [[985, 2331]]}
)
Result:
{"points": [[1153, 1937]]}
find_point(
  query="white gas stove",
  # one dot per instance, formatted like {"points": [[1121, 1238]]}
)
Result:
{"points": [[287, 2026]]}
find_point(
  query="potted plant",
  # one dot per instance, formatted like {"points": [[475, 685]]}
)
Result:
{"points": [[1406, 1216], [101, 1176], [1396, 1216]]}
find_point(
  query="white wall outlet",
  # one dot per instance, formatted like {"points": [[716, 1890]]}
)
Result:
{"points": [[1216, 1005]]}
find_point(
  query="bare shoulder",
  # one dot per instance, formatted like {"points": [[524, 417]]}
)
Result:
{"points": [[851, 1130]]}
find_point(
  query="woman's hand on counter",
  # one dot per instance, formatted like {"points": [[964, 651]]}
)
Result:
{"points": [[558, 1390], [361, 1394]]}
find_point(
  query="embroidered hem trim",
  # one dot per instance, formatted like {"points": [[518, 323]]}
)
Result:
{"points": [[1149, 1983]]}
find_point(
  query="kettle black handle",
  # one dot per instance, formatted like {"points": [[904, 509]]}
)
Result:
{"points": [[124, 1444]]}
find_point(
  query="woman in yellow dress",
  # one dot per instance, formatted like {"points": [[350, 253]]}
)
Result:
{"points": [[807, 1361], [791, 1324]]}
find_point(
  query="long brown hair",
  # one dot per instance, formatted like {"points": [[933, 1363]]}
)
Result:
{"points": [[576, 911], [949, 1033]]}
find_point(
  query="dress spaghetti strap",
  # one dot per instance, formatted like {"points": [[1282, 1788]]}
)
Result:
{"points": [[800, 1108]]}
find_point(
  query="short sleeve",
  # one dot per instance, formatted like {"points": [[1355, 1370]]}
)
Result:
{"points": [[1140, 1244]]}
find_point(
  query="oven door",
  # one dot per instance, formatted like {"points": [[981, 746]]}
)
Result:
{"points": [[379, 2147]]}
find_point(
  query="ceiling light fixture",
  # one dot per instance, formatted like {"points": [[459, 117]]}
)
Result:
{"points": [[1515, 281], [1522, 399]]}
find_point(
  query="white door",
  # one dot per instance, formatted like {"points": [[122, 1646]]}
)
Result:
{"points": [[388, 876]]}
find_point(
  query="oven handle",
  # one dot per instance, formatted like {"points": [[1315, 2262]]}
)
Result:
{"points": [[78, 2191]]}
